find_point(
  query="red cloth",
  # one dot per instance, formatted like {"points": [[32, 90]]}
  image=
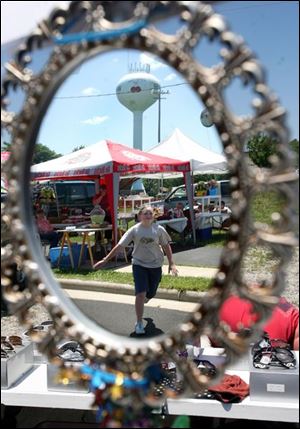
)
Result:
{"points": [[231, 389], [282, 324]]}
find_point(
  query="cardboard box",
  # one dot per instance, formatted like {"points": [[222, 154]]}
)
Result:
{"points": [[275, 383]]}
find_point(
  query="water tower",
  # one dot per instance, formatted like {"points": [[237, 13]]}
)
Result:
{"points": [[137, 91]]}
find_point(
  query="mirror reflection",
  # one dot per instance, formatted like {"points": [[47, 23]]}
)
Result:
{"points": [[90, 181]]}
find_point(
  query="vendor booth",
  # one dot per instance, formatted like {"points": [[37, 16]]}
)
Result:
{"points": [[182, 147], [110, 161]]}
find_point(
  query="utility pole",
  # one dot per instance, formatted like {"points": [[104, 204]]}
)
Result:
{"points": [[158, 93]]}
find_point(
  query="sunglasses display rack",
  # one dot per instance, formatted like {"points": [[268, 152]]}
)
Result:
{"points": [[16, 361], [275, 382], [72, 355]]}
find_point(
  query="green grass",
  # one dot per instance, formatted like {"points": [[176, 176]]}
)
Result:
{"points": [[264, 204], [168, 282]]}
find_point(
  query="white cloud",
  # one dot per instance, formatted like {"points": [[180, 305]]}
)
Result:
{"points": [[89, 91], [96, 120], [170, 76], [154, 64]]}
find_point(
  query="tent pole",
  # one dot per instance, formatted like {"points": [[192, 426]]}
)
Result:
{"points": [[190, 195]]}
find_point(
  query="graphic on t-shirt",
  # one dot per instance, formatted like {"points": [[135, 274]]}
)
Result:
{"points": [[146, 240]]}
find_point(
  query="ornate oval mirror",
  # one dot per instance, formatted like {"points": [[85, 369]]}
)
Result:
{"points": [[76, 36], [96, 115]]}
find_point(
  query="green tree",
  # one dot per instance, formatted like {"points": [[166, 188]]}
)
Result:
{"points": [[260, 148], [41, 152], [82, 146]]}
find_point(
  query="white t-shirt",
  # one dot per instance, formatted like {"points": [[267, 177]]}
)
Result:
{"points": [[147, 250]]}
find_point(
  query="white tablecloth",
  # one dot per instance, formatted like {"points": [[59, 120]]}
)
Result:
{"points": [[206, 219], [178, 224]]}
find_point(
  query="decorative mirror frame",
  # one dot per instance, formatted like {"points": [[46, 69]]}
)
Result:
{"points": [[97, 35]]}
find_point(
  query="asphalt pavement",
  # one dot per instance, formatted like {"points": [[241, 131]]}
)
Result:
{"points": [[116, 312]]}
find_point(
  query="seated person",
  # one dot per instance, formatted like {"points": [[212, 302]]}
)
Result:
{"points": [[178, 210], [224, 208], [283, 324], [199, 208], [211, 207], [226, 217], [46, 230]]}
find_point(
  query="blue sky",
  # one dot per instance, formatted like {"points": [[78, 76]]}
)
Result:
{"points": [[88, 114]]}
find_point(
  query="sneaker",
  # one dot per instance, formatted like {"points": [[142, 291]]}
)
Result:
{"points": [[139, 328]]}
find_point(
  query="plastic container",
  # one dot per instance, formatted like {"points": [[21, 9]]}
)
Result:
{"points": [[97, 219], [65, 261], [204, 234], [97, 215]]}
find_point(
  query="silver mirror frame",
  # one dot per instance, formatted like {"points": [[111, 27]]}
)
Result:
{"points": [[100, 35]]}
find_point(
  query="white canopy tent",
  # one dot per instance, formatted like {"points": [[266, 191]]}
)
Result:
{"points": [[181, 147]]}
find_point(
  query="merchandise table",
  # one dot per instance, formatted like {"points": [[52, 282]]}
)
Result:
{"points": [[178, 224], [209, 219], [248, 409], [86, 239], [32, 392]]}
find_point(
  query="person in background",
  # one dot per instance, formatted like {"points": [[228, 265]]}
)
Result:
{"points": [[224, 208], [147, 259], [46, 230], [178, 210], [226, 216], [283, 324], [213, 189], [101, 199]]}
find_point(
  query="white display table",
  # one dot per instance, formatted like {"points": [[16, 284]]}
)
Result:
{"points": [[247, 409], [32, 392]]}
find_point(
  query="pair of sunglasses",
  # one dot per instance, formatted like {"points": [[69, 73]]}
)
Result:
{"points": [[43, 326], [274, 356], [11, 341], [8, 345], [205, 367], [71, 351], [266, 343]]}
